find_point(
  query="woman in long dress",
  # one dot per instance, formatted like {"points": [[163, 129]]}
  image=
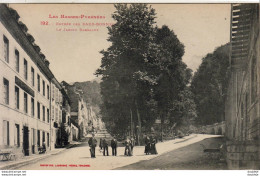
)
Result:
{"points": [[147, 145], [153, 147]]}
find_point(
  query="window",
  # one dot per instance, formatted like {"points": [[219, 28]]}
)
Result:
{"points": [[25, 68], [17, 135], [25, 103], [33, 136], [43, 113], [6, 49], [6, 132], [52, 92], [43, 87], [56, 114], [17, 61], [6, 91], [16, 97], [38, 137], [48, 139], [48, 115], [32, 107], [38, 110], [32, 76], [39, 82], [56, 94], [52, 112], [43, 137], [48, 92]]}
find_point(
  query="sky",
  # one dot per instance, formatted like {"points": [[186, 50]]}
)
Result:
{"points": [[74, 55]]}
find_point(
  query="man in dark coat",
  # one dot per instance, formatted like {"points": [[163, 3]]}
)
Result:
{"points": [[101, 144], [105, 147], [92, 142], [114, 146]]}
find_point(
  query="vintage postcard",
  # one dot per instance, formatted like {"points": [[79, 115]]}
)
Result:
{"points": [[129, 87]]}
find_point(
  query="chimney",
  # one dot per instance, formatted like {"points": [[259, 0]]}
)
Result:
{"points": [[47, 62]]}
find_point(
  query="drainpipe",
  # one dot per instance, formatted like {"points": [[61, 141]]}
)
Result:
{"points": [[50, 115]]}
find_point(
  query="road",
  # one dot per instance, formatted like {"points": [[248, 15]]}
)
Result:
{"points": [[80, 156]]}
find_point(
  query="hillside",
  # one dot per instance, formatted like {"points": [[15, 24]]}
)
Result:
{"points": [[91, 93]]}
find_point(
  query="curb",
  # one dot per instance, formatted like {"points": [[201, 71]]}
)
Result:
{"points": [[23, 163]]}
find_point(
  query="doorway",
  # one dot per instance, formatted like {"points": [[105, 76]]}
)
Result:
{"points": [[26, 140]]}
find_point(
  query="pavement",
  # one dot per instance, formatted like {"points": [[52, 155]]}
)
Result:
{"points": [[190, 157], [78, 158], [26, 160]]}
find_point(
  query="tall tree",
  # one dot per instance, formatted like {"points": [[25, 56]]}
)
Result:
{"points": [[126, 81], [209, 86], [173, 76], [143, 75]]}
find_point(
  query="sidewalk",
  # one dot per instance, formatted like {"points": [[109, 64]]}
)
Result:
{"points": [[81, 155], [5, 165]]}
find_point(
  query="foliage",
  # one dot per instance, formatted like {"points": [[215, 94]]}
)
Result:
{"points": [[143, 75], [209, 86]]}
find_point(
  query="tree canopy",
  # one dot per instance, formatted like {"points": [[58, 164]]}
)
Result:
{"points": [[143, 74], [209, 86]]}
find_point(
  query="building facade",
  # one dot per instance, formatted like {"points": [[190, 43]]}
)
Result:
{"points": [[242, 105], [56, 112], [25, 87]]}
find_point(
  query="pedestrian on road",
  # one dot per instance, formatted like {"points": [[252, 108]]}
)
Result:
{"points": [[132, 144], [147, 145], [153, 141], [101, 143], [127, 147], [105, 147], [92, 142], [114, 146]]}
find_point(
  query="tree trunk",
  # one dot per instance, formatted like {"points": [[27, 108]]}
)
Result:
{"points": [[131, 123], [139, 124]]}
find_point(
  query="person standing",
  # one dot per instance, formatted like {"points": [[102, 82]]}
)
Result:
{"points": [[132, 144], [153, 147], [114, 146], [101, 144], [128, 147], [92, 142], [105, 147], [147, 145]]}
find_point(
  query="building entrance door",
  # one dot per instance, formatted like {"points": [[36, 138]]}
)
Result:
{"points": [[26, 140]]}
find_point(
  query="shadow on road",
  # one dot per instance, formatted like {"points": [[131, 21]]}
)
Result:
{"points": [[190, 157]]}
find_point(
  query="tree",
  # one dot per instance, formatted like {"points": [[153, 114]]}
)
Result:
{"points": [[143, 75], [126, 79], [209, 86], [173, 76]]}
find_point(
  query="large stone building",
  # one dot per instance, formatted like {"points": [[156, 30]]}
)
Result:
{"points": [[25, 87], [31, 98], [242, 106]]}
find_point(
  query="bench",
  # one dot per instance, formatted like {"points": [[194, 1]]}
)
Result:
{"points": [[217, 153], [41, 149], [210, 150], [7, 154]]}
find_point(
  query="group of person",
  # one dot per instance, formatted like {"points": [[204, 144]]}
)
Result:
{"points": [[129, 143], [150, 145], [103, 144], [129, 146]]}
